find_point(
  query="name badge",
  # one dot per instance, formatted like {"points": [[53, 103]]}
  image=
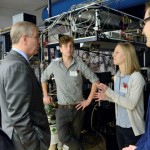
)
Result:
{"points": [[124, 88], [73, 73]]}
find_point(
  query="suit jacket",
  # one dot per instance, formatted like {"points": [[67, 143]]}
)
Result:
{"points": [[21, 101], [5, 142], [144, 141]]}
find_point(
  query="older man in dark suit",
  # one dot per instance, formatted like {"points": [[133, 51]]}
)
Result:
{"points": [[23, 116]]}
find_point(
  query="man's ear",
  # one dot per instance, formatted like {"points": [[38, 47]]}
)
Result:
{"points": [[23, 38]]}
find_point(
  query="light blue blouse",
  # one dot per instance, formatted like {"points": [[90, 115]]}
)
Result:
{"points": [[121, 87]]}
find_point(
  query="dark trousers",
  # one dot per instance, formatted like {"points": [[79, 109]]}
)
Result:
{"points": [[69, 125], [125, 137]]}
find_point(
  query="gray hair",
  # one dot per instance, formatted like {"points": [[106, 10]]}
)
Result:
{"points": [[21, 28]]}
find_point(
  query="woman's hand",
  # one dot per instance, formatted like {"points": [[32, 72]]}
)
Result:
{"points": [[102, 87], [100, 96], [131, 147]]}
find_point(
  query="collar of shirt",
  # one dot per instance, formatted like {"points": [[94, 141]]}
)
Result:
{"points": [[119, 74], [61, 60], [21, 53]]}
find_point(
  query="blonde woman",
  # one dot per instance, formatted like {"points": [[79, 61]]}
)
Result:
{"points": [[127, 95]]}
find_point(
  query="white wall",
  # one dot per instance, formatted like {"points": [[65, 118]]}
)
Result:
{"points": [[6, 16]]}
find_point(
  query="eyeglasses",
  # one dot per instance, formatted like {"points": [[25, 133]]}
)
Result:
{"points": [[143, 22]]}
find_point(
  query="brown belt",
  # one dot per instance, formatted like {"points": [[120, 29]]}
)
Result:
{"points": [[67, 106]]}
